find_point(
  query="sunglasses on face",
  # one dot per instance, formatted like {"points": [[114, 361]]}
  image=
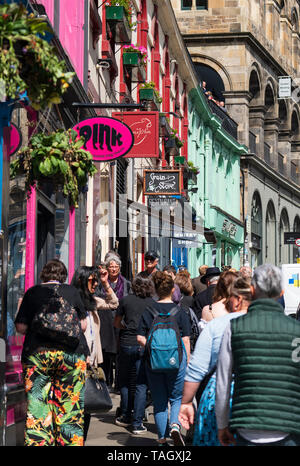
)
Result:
{"points": [[150, 259], [93, 280]]}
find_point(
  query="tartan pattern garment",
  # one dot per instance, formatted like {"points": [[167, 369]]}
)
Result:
{"points": [[54, 384]]}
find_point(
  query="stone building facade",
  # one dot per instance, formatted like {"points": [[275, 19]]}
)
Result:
{"points": [[246, 46]]}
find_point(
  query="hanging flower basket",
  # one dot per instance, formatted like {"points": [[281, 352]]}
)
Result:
{"points": [[148, 92], [118, 16], [135, 61], [57, 158], [28, 62]]}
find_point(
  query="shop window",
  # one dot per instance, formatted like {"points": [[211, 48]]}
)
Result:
{"points": [[16, 251]]}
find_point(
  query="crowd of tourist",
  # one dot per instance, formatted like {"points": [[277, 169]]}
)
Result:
{"points": [[230, 380]]}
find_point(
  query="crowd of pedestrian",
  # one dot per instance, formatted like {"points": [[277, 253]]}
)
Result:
{"points": [[216, 355]]}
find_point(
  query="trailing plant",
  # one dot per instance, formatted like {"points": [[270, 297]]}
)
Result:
{"points": [[152, 85], [140, 50], [28, 62], [174, 134], [57, 157], [127, 8], [192, 167]]}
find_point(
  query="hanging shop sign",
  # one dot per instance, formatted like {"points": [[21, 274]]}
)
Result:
{"points": [[15, 138], [105, 138], [290, 237], [159, 182], [145, 128]]}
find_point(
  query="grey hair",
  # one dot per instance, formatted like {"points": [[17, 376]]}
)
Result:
{"points": [[213, 279], [112, 257], [267, 281]]}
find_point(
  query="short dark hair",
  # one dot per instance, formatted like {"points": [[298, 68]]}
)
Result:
{"points": [[143, 287], [54, 270], [169, 268]]}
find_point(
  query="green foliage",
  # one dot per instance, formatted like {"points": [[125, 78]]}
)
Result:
{"points": [[27, 61], [57, 157], [152, 85], [192, 167], [127, 8]]}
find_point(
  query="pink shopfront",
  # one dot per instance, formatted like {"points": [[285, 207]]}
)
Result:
{"points": [[41, 225]]}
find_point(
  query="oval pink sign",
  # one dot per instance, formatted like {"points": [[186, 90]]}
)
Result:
{"points": [[105, 138]]}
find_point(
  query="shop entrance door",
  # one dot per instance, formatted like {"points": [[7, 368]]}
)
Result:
{"points": [[45, 232]]}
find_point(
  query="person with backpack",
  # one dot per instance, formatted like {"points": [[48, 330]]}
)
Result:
{"points": [[52, 318], [164, 329]]}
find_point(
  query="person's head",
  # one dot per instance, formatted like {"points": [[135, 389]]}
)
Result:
{"points": [[113, 265], [245, 271], [223, 285], [202, 269], [85, 279], [143, 287], [163, 284], [151, 261], [204, 84], [184, 282], [240, 295], [54, 270], [266, 282], [222, 103], [170, 269]]}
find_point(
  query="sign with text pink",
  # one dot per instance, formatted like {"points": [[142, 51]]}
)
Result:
{"points": [[105, 138]]}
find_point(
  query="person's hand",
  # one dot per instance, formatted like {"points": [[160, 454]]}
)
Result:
{"points": [[225, 437], [186, 415], [103, 276]]}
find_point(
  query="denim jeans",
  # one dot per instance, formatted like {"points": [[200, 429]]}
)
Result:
{"points": [[292, 440], [166, 388], [132, 373]]}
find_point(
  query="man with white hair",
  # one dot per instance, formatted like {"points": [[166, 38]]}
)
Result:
{"points": [[262, 350]]}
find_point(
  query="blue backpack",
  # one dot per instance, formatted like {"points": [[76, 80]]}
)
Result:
{"points": [[164, 348]]}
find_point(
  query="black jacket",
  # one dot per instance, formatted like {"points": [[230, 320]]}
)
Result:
{"points": [[202, 299]]}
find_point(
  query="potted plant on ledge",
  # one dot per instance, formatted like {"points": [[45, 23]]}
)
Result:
{"points": [[57, 158], [118, 16], [28, 62], [173, 143], [148, 92]]}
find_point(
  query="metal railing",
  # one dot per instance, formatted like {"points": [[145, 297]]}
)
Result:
{"points": [[227, 122]]}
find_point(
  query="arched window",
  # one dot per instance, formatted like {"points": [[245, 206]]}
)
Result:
{"points": [[256, 230], [213, 80], [284, 249], [270, 251]]}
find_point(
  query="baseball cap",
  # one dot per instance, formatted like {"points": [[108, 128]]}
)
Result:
{"points": [[151, 254]]}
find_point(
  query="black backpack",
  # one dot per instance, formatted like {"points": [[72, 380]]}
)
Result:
{"points": [[58, 321], [164, 347]]}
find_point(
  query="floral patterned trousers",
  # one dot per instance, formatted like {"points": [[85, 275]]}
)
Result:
{"points": [[54, 384]]}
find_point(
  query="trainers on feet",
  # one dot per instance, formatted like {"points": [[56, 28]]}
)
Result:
{"points": [[176, 436], [122, 421], [139, 429]]}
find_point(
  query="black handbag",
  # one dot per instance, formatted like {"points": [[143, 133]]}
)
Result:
{"points": [[97, 399]]}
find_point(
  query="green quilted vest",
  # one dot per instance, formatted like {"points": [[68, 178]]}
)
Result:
{"points": [[266, 361]]}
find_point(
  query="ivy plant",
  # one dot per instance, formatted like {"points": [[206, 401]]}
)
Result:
{"points": [[57, 157], [27, 61]]}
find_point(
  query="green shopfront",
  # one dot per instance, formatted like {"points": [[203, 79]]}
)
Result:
{"points": [[229, 233], [216, 196]]}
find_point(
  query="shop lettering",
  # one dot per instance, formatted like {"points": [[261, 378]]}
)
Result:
{"points": [[105, 138], [100, 134], [230, 228]]}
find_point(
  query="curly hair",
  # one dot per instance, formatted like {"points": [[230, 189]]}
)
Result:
{"points": [[163, 283], [54, 270], [143, 287]]}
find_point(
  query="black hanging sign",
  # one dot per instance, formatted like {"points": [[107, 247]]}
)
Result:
{"points": [[159, 182]]}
